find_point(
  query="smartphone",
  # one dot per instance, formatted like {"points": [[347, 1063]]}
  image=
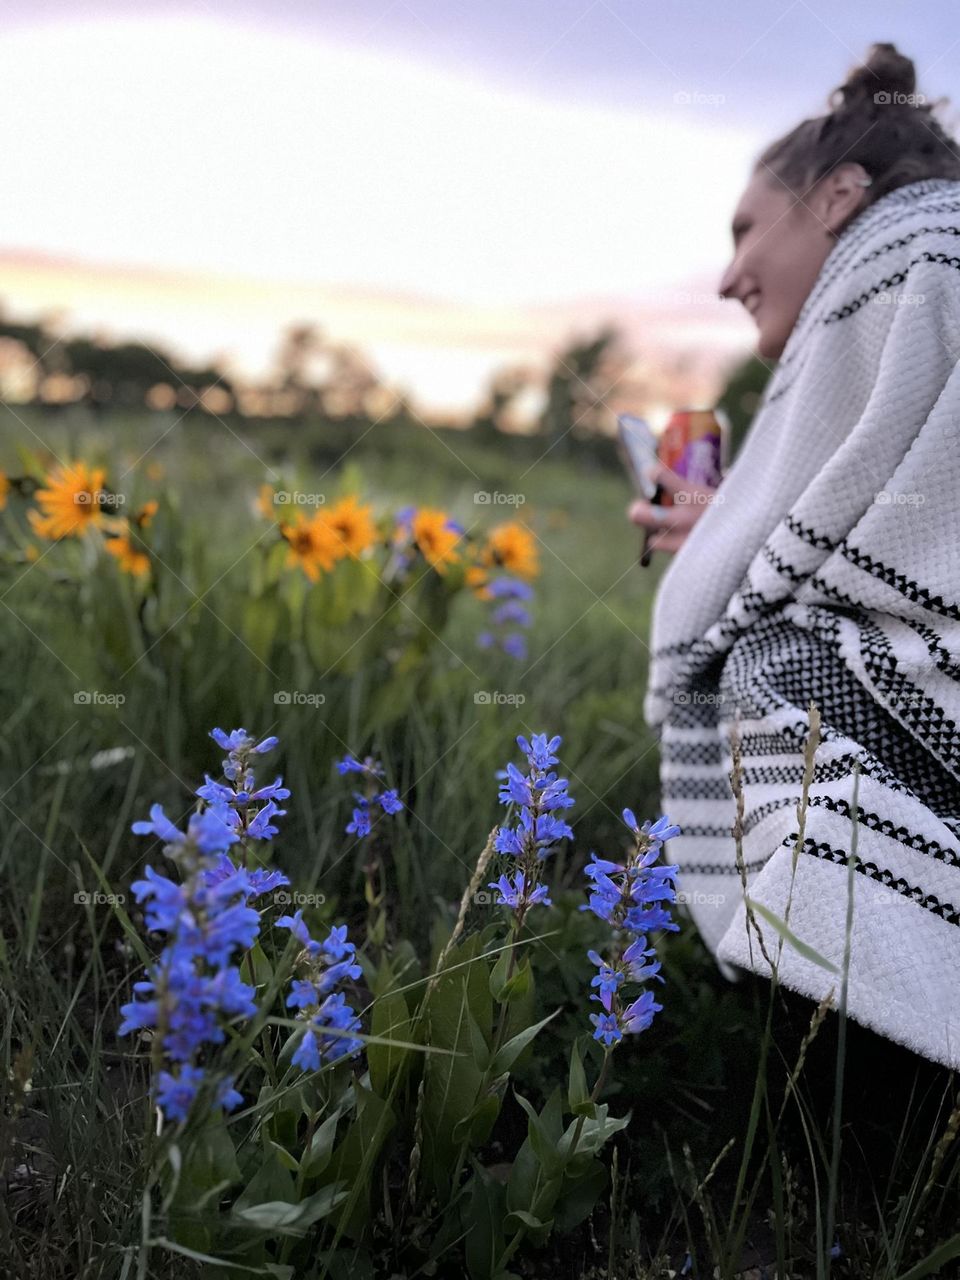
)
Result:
{"points": [[638, 449]]}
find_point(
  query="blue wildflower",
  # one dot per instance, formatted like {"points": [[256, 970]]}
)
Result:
{"points": [[510, 589], [607, 980], [634, 898], [513, 894], [361, 821], [194, 988], [607, 1028], [359, 824], [538, 794], [507, 595], [515, 646], [322, 966]]}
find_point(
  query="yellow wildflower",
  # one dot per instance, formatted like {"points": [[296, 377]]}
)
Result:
{"points": [[354, 525], [143, 516], [72, 503], [477, 580], [512, 547], [435, 538], [313, 544], [130, 558]]}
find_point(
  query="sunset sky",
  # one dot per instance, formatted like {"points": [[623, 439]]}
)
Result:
{"points": [[452, 187]]}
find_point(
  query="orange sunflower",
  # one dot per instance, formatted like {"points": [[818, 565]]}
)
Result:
{"points": [[478, 580], [353, 525], [436, 537], [72, 504], [512, 547], [130, 558], [313, 544]]}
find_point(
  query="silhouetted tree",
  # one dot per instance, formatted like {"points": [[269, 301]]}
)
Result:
{"points": [[503, 389], [583, 374]]}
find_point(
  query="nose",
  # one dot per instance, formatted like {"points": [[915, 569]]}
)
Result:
{"points": [[728, 282]]}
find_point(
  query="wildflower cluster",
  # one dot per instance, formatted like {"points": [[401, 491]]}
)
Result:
{"points": [[509, 612], [195, 988], [361, 822], [539, 794], [328, 1019], [429, 531], [633, 897], [75, 500], [318, 542]]}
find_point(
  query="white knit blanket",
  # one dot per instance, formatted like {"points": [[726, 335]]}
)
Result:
{"points": [[829, 570]]}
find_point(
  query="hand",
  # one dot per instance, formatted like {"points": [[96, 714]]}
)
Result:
{"points": [[671, 525]]}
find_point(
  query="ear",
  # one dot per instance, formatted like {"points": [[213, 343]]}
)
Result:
{"points": [[839, 196]]}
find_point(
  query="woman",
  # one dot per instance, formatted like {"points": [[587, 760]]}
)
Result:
{"points": [[826, 570]]}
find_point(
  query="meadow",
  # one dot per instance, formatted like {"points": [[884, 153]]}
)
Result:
{"points": [[468, 1121]]}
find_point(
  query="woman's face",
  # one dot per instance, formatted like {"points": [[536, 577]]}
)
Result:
{"points": [[780, 244]]}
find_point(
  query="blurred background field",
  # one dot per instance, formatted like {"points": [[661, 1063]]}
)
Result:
{"points": [[584, 675]]}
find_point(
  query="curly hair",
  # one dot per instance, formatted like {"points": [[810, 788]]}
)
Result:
{"points": [[877, 120]]}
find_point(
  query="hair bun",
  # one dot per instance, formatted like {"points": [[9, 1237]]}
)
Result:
{"points": [[886, 76]]}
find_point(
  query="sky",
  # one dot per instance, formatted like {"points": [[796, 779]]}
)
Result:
{"points": [[450, 187]]}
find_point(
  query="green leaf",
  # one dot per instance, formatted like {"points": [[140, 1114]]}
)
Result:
{"points": [[577, 1092], [483, 1221], [791, 938], [452, 1083], [521, 1217], [390, 1019], [317, 1156], [481, 1050], [271, 1182], [354, 1162], [933, 1262], [594, 1132], [579, 1196], [508, 1053], [283, 1155], [283, 1217], [475, 1128], [505, 990], [544, 1131]]}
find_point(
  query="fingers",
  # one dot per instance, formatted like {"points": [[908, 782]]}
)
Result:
{"points": [[673, 483], [662, 519]]}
